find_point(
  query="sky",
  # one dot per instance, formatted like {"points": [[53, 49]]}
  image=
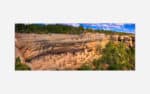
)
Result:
{"points": [[119, 27]]}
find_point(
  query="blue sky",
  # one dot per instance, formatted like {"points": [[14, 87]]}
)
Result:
{"points": [[119, 27]]}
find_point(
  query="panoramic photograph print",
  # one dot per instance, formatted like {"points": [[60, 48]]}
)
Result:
{"points": [[75, 46]]}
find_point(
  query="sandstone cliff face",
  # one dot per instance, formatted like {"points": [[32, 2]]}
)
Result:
{"points": [[62, 51], [128, 39]]}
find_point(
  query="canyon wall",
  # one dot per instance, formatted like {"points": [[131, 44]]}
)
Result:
{"points": [[63, 51]]}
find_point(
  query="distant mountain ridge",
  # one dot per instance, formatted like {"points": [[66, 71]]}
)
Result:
{"points": [[72, 27]]}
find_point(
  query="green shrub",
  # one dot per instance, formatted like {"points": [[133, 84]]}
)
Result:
{"points": [[114, 57], [20, 66], [85, 67], [118, 57]]}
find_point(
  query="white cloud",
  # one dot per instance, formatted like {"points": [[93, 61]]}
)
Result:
{"points": [[73, 24]]}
